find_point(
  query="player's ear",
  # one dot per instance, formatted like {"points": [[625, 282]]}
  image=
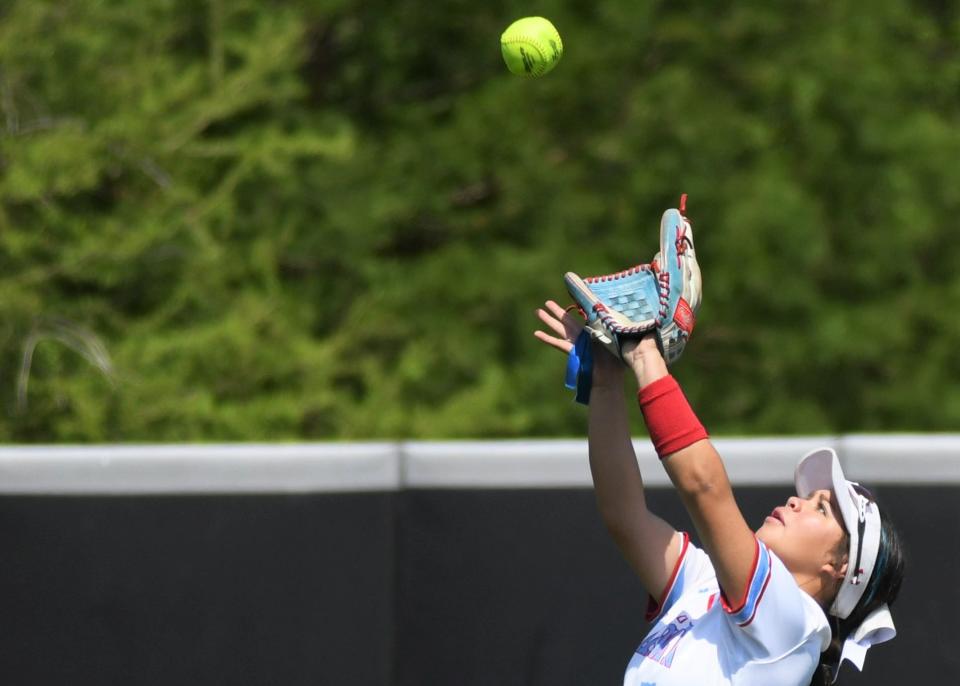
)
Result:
{"points": [[835, 569]]}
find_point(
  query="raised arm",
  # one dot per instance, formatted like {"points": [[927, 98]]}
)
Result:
{"points": [[697, 472], [648, 543]]}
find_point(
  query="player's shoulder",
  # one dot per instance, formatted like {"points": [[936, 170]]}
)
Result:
{"points": [[786, 611], [695, 559]]}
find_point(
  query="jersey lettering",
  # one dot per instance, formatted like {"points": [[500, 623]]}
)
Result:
{"points": [[661, 645]]}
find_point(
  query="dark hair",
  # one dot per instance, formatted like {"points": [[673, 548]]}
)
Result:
{"points": [[883, 587]]}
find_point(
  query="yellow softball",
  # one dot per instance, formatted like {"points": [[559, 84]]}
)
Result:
{"points": [[531, 46]]}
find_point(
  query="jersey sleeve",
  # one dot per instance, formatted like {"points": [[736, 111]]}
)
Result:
{"points": [[692, 567], [774, 615]]}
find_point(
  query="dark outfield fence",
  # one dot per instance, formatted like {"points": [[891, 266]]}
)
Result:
{"points": [[393, 565]]}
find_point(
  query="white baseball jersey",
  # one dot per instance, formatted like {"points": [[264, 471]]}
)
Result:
{"points": [[775, 637]]}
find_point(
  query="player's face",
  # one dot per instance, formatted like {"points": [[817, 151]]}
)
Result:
{"points": [[806, 533]]}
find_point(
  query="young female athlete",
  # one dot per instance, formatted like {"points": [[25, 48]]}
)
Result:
{"points": [[780, 606]]}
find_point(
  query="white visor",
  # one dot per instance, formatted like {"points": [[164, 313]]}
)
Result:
{"points": [[820, 470]]}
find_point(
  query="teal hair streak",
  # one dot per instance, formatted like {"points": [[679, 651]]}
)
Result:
{"points": [[878, 568]]}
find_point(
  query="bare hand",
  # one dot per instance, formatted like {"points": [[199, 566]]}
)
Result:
{"points": [[564, 326]]}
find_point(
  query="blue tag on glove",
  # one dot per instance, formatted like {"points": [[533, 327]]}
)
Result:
{"points": [[580, 368]]}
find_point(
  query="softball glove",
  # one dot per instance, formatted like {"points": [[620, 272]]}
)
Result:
{"points": [[662, 297]]}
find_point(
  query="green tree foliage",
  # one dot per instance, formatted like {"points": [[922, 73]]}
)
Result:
{"points": [[334, 220]]}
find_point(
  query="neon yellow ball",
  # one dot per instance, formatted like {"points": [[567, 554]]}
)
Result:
{"points": [[531, 46]]}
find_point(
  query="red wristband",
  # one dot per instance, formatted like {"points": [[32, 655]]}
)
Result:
{"points": [[669, 418]]}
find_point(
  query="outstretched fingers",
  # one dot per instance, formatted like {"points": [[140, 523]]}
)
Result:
{"points": [[572, 326], [556, 310], [560, 344], [562, 324], [552, 320]]}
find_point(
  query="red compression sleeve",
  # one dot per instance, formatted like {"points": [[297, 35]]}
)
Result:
{"points": [[669, 418]]}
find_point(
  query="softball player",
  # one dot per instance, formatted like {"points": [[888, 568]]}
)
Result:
{"points": [[784, 605]]}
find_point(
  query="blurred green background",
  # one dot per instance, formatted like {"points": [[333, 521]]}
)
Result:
{"points": [[334, 219]]}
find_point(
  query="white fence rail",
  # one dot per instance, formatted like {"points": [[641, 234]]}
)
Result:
{"points": [[917, 459]]}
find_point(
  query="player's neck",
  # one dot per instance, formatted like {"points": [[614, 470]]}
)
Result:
{"points": [[815, 586]]}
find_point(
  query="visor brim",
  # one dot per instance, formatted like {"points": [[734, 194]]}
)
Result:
{"points": [[820, 470]]}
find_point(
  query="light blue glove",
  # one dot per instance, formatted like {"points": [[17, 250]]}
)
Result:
{"points": [[662, 298]]}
